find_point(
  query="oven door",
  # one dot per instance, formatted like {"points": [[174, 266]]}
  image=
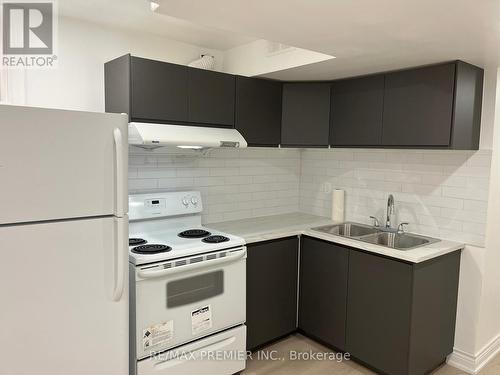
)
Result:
{"points": [[182, 300]]}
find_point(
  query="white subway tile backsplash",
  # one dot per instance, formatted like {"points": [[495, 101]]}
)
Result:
{"points": [[235, 184], [441, 193]]}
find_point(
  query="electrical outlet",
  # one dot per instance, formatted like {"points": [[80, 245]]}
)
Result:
{"points": [[327, 188]]}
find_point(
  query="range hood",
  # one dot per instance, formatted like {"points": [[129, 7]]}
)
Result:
{"points": [[151, 136]]}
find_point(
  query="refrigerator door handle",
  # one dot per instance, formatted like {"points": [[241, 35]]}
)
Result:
{"points": [[119, 262], [120, 186]]}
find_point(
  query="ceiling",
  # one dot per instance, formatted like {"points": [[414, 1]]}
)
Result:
{"points": [[366, 36], [136, 15]]}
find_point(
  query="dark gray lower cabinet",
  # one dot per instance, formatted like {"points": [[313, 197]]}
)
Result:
{"points": [[323, 291], [271, 290], [400, 316], [395, 317]]}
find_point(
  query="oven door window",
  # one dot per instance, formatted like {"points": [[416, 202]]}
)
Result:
{"points": [[194, 289]]}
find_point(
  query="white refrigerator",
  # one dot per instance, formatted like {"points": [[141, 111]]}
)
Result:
{"points": [[63, 242]]}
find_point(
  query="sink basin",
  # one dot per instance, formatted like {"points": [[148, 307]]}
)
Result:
{"points": [[377, 236], [398, 241], [347, 230]]}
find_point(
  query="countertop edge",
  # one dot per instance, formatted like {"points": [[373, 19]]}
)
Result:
{"points": [[417, 255]]}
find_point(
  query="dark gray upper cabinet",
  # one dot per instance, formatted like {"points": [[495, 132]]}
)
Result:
{"points": [[436, 106], [271, 290], [356, 111], [418, 106], [323, 291], [258, 111], [401, 316], [155, 91], [147, 90], [305, 114], [467, 107], [158, 90], [211, 97]]}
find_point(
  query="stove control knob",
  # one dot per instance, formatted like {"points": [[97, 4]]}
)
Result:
{"points": [[194, 201], [185, 202]]}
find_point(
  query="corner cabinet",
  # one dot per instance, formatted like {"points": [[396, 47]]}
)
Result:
{"points": [[418, 106], [271, 290], [305, 114], [434, 106], [258, 111], [437, 106], [323, 291], [395, 317]]}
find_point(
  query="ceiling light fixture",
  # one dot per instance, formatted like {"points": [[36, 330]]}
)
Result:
{"points": [[154, 5], [191, 147]]}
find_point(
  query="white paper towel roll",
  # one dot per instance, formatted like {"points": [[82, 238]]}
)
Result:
{"points": [[338, 197]]}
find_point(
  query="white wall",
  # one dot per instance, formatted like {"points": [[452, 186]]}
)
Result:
{"points": [[78, 81], [489, 327]]}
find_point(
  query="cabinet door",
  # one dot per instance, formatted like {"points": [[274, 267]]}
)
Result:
{"points": [[356, 111], [306, 114], [211, 97], [418, 106], [323, 291], [378, 312], [159, 91], [258, 111], [271, 290]]}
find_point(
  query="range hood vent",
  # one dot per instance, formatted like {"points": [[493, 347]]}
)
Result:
{"points": [[151, 136]]}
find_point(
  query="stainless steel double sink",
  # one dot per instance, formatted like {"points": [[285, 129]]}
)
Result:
{"points": [[377, 236]]}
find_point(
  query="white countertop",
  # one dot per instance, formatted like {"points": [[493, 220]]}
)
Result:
{"points": [[279, 226]]}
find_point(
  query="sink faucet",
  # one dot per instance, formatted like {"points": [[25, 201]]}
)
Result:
{"points": [[390, 211]]}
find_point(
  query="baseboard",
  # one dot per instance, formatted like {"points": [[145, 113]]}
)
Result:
{"points": [[472, 364]]}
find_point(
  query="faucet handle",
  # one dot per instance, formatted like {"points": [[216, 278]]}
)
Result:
{"points": [[376, 223], [401, 227]]}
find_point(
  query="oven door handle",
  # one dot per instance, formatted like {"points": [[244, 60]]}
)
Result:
{"points": [[194, 354], [149, 274]]}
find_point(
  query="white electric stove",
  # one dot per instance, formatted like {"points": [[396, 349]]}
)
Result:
{"points": [[167, 226], [187, 289]]}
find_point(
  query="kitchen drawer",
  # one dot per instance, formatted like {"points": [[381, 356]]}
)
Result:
{"points": [[219, 354]]}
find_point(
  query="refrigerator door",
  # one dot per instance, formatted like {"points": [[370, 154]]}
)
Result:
{"points": [[64, 293], [57, 164]]}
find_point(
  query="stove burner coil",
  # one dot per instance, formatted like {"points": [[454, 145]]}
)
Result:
{"points": [[151, 249], [136, 241], [215, 239], [194, 233]]}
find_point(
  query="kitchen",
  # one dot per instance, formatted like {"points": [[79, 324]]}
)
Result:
{"points": [[272, 205]]}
